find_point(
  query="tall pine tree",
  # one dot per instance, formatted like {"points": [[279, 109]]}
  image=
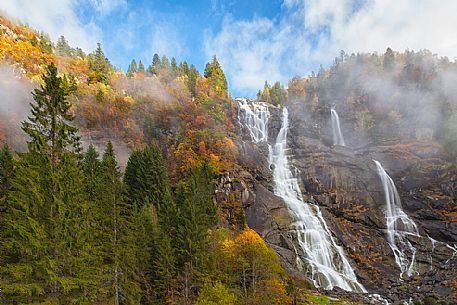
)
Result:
{"points": [[45, 240], [132, 69]]}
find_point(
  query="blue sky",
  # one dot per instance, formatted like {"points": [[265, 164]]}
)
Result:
{"points": [[138, 29], [255, 40]]}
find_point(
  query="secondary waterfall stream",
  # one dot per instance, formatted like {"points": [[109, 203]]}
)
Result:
{"points": [[336, 128], [256, 119], [399, 225], [328, 265]]}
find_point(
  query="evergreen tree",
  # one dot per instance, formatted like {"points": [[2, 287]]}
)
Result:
{"points": [[218, 82], [208, 70], [141, 67], [91, 168], [48, 126], [6, 171], [6, 177], [154, 68], [146, 178], [80, 53], [192, 76], [45, 245], [389, 59], [99, 65], [63, 48], [115, 220], [165, 63], [132, 69], [265, 96], [277, 94], [174, 68], [197, 214], [148, 190], [183, 68]]}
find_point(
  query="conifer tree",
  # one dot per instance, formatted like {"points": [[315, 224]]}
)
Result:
{"points": [[218, 82], [6, 171], [154, 68], [132, 69], [116, 235], [183, 68], [165, 63], [91, 168], [148, 190], [174, 68], [140, 67], [48, 127], [197, 214], [277, 94], [6, 177], [193, 74], [99, 65], [63, 48], [45, 246], [146, 178]]}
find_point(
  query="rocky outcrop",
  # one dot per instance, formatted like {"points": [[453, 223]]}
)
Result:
{"points": [[344, 183]]}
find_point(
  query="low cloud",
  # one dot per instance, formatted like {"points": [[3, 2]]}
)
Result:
{"points": [[15, 97], [308, 33], [56, 18]]}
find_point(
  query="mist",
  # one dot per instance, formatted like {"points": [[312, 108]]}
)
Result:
{"points": [[15, 97], [414, 99]]}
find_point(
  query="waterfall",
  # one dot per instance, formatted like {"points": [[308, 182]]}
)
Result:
{"points": [[336, 128], [399, 225], [328, 264], [255, 117]]}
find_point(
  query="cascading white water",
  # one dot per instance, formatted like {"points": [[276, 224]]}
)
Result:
{"points": [[399, 225], [255, 117], [336, 128], [328, 264]]}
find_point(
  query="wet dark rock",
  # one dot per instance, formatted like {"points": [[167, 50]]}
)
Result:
{"points": [[344, 182]]}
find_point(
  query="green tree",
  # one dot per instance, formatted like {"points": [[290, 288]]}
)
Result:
{"points": [[132, 69], [48, 127], [266, 93], [146, 178], [154, 68], [45, 245], [141, 67], [80, 53], [183, 68], [63, 48], [91, 168], [6, 177], [218, 81], [148, 190], [116, 235], [174, 68], [99, 65], [277, 94], [192, 79], [197, 214], [6, 171], [165, 63]]}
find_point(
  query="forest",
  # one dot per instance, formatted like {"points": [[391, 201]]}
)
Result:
{"points": [[109, 179]]}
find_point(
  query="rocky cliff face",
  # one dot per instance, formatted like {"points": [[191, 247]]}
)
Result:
{"points": [[343, 181]]}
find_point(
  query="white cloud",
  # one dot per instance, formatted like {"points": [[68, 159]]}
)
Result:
{"points": [[105, 7], [56, 17], [310, 32], [165, 40]]}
